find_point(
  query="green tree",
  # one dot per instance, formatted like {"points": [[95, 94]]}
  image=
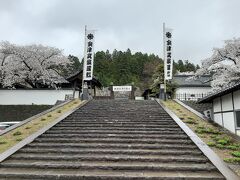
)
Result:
{"points": [[158, 78], [74, 66]]}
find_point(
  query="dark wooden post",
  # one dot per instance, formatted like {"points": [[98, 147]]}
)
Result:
{"points": [[74, 88], [132, 95], [94, 91], [111, 92]]}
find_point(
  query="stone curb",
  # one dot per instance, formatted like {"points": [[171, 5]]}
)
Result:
{"points": [[208, 152], [32, 118], [192, 110], [30, 138]]}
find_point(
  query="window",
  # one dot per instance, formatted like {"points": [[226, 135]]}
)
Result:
{"points": [[238, 118]]}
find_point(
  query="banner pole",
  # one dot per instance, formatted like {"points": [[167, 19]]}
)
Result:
{"points": [[85, 32], [164, 60]]}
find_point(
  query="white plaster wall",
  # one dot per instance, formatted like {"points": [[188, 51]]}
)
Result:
{"points": [[216, 105], [227, 102], [228, 121], [26, 97], [238, 132], [236, 99], [218, 118], [193, 90]]}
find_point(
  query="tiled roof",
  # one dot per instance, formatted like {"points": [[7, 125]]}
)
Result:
{"points": [[182, 81]]}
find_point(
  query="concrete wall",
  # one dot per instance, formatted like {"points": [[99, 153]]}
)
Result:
{"points": [[224, 109], [36, 96]]}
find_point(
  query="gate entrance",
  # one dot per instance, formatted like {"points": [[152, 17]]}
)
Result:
{"points": [[122, 92]]}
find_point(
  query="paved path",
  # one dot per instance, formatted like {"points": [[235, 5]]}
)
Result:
{"points": [[112, 139]]}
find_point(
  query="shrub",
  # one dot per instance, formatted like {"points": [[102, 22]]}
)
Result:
{"points": [[202, 135], [211, 144], [17, 133], [19, 139], [59, 111], [202, 129], [190, 122], [220, 146], [232, 147], [199, 131], [232, 160], [43, 119], [212, 131], [28, 127], [3, 142], [236, 153], [214, 136], [49, 115], [222, 141]]}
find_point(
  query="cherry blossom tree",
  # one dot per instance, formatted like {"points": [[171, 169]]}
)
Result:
{"points": [[223, 65], [30, 65]]}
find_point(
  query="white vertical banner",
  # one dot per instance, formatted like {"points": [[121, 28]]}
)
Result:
{"points": [[88, 55], [168, 62]]}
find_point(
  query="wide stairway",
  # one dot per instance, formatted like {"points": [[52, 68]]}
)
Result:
{"points": [[112, 139]]}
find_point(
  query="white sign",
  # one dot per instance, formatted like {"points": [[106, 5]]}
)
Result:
{"points": [[168, 62], [122, 88], [88, 55]]}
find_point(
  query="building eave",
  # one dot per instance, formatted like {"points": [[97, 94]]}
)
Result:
{"points": [[194, 86], [220, 93]]}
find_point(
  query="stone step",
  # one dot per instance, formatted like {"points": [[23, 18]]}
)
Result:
{"points": [[79, 124], [94, 122], [77, 128], [144, 133], [63, 174], [99, 151], [112, 140], [121, 116], [109, 158], [113, 146], [169, 166], [120, 136], [106, 113], [163, 131], [91, 114]]}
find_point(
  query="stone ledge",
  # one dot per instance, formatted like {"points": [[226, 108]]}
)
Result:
{"points": [[30, 138], [32, 118]]}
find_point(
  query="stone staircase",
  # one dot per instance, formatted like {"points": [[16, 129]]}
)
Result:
{"points": [[112, 139]]}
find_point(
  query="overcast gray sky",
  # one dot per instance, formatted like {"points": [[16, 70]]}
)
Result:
{"points": [[199, 25]]}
